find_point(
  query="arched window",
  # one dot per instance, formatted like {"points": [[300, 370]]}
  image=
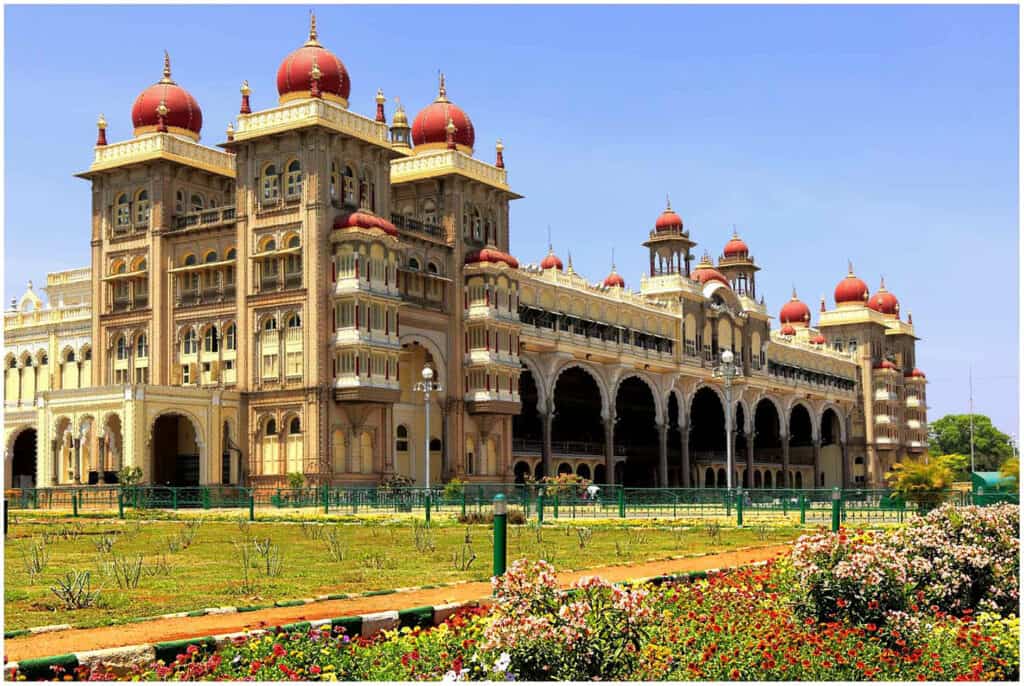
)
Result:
{"points": [[402, 438], [211, 256], [293, 180], [43, 360], [70, 357], [122, 348], [190, 261], [190, 345], [270, 245], [270, 324], [271, 184], [211, 342], [294, 322], [349, 187], [121, 268], [87, 355], [196, 202], [295, 427], [230, 254], [141, 346], [414, 264], [179, 202], [364, 190], [334, 180], [293, 242], [229, 337], [122, 215], [429, 212], [431, 268], [271, 429], [435, 445], [142, 207], [141, 266]]}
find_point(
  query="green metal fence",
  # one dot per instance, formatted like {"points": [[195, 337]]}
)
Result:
{"points": [[536, 502]]}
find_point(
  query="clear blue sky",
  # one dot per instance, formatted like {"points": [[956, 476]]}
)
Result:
{"points": [[885, 135]]}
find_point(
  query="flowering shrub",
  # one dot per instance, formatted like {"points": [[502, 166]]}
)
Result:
{"points": [[953, 559]]}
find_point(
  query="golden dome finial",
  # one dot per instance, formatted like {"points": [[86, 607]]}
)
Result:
{"points": [[399, 118], [167, 68], [442, 92], [450, 127], [246, 91], [380, 96], [161, 109], [315, 72], [499, 146], [312, 42], [231, 131], [101, 122]]}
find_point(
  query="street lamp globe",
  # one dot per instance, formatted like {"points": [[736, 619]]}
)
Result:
{"points": [[428, 373], [727, 357]]}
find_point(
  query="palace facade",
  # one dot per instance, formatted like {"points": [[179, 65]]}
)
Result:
{"points": [[266, 306]]}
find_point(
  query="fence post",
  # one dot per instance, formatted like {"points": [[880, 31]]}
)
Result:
{"points": [[463, 501], [252, 507], [836, 495], [327, 498], [554, 505], [120, 504], [500, 532], [622, 502], [174, 498], [74, 504], [540, 506], [427, 508], [739, 507], [206, 498], [803, 508]]}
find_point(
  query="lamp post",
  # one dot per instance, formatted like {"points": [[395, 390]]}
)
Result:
{"points": [[727, 372], [427, 386]]}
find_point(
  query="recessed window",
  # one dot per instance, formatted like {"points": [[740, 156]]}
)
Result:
{"points": [[414, 264], [295, 427], [271, 184], [293, 179], [402, 438]]}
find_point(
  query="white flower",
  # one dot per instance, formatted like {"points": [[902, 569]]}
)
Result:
{"points": [[451, 676], [502, 663]]}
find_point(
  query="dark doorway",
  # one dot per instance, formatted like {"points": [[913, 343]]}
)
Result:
{"points": [[23, 462], [577, 427], [635, 429], [175, 452]]}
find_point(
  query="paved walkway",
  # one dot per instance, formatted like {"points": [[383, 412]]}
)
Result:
{"points": [[79, 640]]}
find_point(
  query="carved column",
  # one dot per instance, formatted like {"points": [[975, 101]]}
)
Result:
{"points": [[609, 450], [546, 419], [684, 440], [817, 463], [101, 458], [55, 446], [845, 463], [77, 443], [663, 455], [750, 461], [785, 462]]}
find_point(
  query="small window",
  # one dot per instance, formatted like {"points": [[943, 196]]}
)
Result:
{"points": [[271, 184], [270, 324], [293, 179], [270, 246], [401, 439], [271, 428], [230, 254], [43, 360], [435, 445], [179, 202], [121, 268], [189, 345], [13, 364], [196, 202], [293, 242], [190, 261], [141, 346], [122, 215], [229, 337], [414, 264], [142, 207], [211, 257], [186, 374], [122, 348], [141, 266], [431, 268], [211, 342], [295, 427], [294, 322], [70, 358], [334, 181], [86, 357]]}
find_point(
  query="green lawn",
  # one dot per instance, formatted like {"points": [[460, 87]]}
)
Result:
{"points": [[376, 555]]}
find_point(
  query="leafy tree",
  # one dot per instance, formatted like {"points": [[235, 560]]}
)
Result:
{"points": [[959, 465], [296, 480], [918, 482], [1011, 469], [129, 475], [952, 434]]}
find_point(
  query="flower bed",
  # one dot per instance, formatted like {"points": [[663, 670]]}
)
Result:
{"points": [[843, 609]]}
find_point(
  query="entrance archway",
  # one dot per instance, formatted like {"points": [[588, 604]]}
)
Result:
{"points": [[577, 427], [175, 451], [767, 438], [23, 459], [636, 412], [707, 433], [521, 471]]}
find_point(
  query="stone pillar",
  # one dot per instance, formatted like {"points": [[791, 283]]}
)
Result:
{"points": [[662, 455], [750, 461], [546, 420], [817, 463], [684, 440], [786, 482], [55, 446], [77, 443], [609, 450], [101, 458], [845, 463]]}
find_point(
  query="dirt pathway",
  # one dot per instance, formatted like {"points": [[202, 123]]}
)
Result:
{"points": [[78, 640]]}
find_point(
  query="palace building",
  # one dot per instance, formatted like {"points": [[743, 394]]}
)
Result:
{"points": [[265, 306]]}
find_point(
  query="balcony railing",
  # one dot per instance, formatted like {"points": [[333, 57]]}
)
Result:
{"points": [[205, 296], [208, 217], [406, 223]]}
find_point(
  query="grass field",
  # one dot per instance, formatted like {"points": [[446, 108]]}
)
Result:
{"points": [[375, 554]]}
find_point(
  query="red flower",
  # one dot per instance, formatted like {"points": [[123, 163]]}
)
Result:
{"points": [[872, 604], [870, 626], [840, 603], [734, 674], [315, 669], [279, 650]]}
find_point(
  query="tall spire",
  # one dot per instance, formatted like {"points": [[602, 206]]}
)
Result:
{"points": [[312, 42], [499, 158], [668, 202], [442, 92], [167, 68], [101, 135], [380, 105], [849, 265], [794, 292], [551, 247], [245, 109], [881, 287]]}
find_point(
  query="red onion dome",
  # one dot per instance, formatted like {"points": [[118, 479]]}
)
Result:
{"points": [[668, 220], [429, 128], [551, 260], [295, 75], [491, 255], [181, 111], [614, 280], [735, 248], [818, 340], [795, 312], [885, 302], [706, 271], [851, 289], [363, 219], [885, 364], [915, 374], [788, 330]]}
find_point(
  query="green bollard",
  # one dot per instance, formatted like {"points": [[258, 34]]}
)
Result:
{"points": [[463, 495], [540, 507], [739, 507], [327, 498], [206, 498], [252, 508], [174, 498], [427, 504], [803, 508], [500, 533], [835, 509], [554, 506], [622, 502], [74, 504], [120, 504]]}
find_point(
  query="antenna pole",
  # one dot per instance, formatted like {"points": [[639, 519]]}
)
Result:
{"points": [[970, 387]]}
